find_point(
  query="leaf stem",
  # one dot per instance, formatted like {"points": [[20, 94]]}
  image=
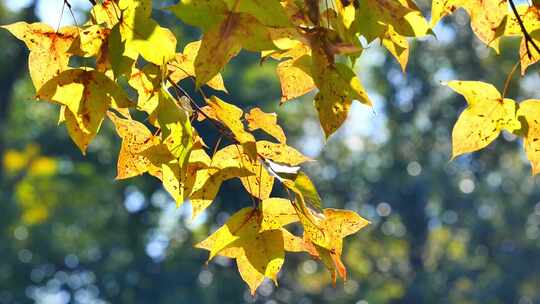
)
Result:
{"points": [[509, 78]]}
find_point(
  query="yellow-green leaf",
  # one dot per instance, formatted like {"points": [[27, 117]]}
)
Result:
{"points": [[483, 119], [184, 66], [223, 41]]}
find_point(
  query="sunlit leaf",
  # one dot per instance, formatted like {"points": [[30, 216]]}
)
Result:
{"points": [[529, 110], [184, 66], [49, 54], [256, 240], [257, 119], [87, 95], [483, 119], [225, 40], [135, 138]]}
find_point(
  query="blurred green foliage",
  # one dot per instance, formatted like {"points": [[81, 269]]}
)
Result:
{"points": [[465, 231]]}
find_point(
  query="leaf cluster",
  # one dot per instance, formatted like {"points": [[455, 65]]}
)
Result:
{"points": [[316, 46]]}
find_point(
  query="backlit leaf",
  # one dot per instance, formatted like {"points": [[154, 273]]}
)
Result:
{"points": [[88, 109], [281, 153], [135, 138], [184, 66], [483, 119], [223, 41], [530, 111], [49, 54], [257, 244], [257, 119]]}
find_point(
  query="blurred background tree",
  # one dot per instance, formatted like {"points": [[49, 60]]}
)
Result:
{"points": [[465, 231]]}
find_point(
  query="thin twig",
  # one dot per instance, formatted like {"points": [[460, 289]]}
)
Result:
{"points": [[61, 15], [526, 35], [509, 78]]}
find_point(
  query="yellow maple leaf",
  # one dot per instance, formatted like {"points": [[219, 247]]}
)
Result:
{"points": [[257, 119], [147, 82], [530, 111], [255, 262], [49, 49], [92, 38], [135, 138], [227, 163], [397, 45], [225, 40], [487, 17], [105, 12], [176, 129], [206, 186], [183, 66], [230, 116], [202, 14], [254, 237], [294, 77], [281, 153], [86, 95], [487, 113], [338, 87], [271, 13], [404, 16], [327, 240], [259, 183], [136, 33], [530, 16]]}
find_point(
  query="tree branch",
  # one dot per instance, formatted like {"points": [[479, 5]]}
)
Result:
{"points": [[526, 35]]}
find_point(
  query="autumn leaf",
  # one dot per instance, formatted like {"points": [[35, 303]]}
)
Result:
{"points": [[257, 119], [92, 39], [483, 119], [135, 138], [530, 16], [281, 153], [487, 17], [87, 95], [146, 81], [183, 66], [338, 87], [177, 136], [176, 129], [225, 40], [136, 33], [259, 183], [304, 187], [224, 165], [256, 240], [202, 14], [230, 116], [269, 12], [306, 202], [327, 240], [294, 76], [207, 184], [375, 15], [397, 45], [49, 49], [529, 110]]}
